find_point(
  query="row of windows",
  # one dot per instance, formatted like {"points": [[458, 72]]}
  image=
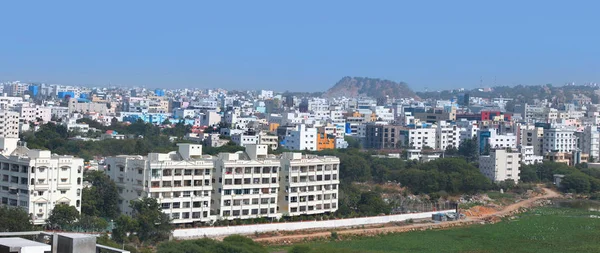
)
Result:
{"points": [[311, 208], [177, 205], [312, 168], [186, 215], [239, 181], [254, 201], [313, 188], [296, 199], [179, 194], [249, 191], [249, 170], [177, 183], [40, 181], [317, 178], [249, 212]]}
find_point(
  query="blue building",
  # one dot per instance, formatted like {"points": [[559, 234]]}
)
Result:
{"points": [[34, 90], [64, 94]]}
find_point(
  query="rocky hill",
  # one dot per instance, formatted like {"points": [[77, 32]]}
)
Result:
{"points": [[370, 87]]}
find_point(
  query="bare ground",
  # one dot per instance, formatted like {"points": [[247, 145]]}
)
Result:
{"points": [[492, 217]]}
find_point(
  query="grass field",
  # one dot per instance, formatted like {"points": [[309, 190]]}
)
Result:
{"points": [[546, 229]]}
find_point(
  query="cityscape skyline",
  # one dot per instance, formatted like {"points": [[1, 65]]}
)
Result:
{"points": [[302, 47]]}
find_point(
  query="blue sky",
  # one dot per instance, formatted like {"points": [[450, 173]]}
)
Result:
{"points": [[299, 45]]}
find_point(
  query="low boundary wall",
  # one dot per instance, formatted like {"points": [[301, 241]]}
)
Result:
{"points": [[193, 233]]}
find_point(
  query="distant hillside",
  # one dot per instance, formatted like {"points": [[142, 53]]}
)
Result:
{"points": [[370, 87]]}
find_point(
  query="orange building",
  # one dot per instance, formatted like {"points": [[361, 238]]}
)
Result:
{"points": [[325, 142], [273, 127]]}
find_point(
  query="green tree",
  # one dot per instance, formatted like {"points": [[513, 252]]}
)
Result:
{"points": [[372, 204], [577, 183], [468, 149], [123, 225], [91, 224], [14, 219], [147, 222], [101, 199], [63, 217], [451, 150]]}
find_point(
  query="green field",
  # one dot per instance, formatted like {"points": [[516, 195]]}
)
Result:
{"points": [[546, 229]]}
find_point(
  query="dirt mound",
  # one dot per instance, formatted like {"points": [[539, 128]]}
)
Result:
{"points": [[479, 211]]}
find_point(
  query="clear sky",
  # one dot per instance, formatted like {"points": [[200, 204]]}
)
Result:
{"points": [[299, 45]]}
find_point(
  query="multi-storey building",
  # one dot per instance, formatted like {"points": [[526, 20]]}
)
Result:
{"points": [[529, 157], [419, 138], [589, 141], [180, 181], [494, 140], [382, 135], [447, 135], [533, 136], [37, 181], [309, 184], [500, 165], [468, 130], [9, 124], [303, 138], [246, 184], [560, 140]]}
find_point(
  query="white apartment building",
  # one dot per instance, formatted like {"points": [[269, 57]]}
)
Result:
{"points": [[9, 124], [244, 139], [500, 165], [589, 141], [309, 184], [495, 140], [468, 130], [529, 157], [560, 139], [270, 140], [303, 138], [531, 135], [210, 118], [59, 112], [37, 180], [184, 113], [447, 135], [246, 184], [33, 113], [419, 138], [180, 181]]}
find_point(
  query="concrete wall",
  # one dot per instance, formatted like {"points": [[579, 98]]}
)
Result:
{"points": [[192, 233]]}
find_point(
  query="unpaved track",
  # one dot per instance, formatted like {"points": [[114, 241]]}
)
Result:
{"points": [[285, 239]]}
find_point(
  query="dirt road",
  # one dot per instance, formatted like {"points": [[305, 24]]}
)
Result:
{"points": [[287, 239]]}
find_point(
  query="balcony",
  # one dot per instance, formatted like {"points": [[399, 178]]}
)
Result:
{"points": [[39, 186]]}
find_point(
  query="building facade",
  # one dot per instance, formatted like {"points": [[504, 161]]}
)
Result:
{"points": [[180, 181], [37, 181], [500, 165], [309, 184]]}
